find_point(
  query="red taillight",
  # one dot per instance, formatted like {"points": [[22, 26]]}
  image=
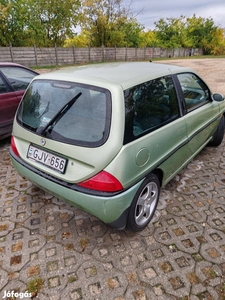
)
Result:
{"points": [[104, 182], [13, 146]]}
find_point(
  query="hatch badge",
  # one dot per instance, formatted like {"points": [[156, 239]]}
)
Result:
{"points": [[43, 142]]}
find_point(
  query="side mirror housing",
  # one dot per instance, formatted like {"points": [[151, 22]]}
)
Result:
{"points": [[218, 97]]}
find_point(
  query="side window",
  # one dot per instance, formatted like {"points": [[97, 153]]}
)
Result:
{"points": [[19, 78], [195, 92], [3, 86], [149, 106]]}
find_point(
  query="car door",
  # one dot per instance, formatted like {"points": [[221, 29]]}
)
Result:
{"points": [[14, 81], [201, 112], [9, 101]]}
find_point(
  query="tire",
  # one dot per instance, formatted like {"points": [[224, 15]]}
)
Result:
{"points": [[144, 204], [218, 135]]}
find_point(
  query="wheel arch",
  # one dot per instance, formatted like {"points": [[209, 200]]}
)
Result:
{"points": [[159, 173]]}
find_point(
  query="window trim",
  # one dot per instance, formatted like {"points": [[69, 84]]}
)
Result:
{"points": [[20, 68], [127, 138], [9, 89], [180, 93], [69, 141]]}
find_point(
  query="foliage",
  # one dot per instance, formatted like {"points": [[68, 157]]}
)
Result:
{"points": [[201, 32], [218, 42], [132, 33], [80, 41], [190, 32], [44, 23], [13, 19], [34, 286], [109, 23], [170, 32], [148, 39], [57, 19], [102, 22]]}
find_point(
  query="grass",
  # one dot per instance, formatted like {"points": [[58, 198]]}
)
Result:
{"points": [[34, 286], [153, 59], [221, 291]]}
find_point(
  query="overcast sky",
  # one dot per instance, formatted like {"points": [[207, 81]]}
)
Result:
{"points": [[153, 10]]}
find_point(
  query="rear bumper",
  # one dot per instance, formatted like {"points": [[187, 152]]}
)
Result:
{"points": [[110, 208]]}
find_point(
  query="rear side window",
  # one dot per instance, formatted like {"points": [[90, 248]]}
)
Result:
{"points": [[195, 92], [67, 112], [149, 106]]}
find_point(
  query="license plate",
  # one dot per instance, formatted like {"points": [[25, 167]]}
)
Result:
{"points": [[48, 159]]}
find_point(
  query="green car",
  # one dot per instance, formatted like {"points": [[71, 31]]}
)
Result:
{"points": [[106, 137]]}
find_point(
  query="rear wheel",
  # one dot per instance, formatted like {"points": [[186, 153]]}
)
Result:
{"points": [[218, 135], [144, 204]]}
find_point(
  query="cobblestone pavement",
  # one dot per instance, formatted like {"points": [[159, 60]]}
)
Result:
{"points": [[72, 255]]}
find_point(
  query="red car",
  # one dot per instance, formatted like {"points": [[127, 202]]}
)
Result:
{"points": [[14, 79]]}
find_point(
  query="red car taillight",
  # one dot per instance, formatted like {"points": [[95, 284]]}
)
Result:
{"points": [[103, 181], [13, 146]]}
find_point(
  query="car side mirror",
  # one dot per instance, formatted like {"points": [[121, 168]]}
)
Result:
{"points": [[218, 97]]}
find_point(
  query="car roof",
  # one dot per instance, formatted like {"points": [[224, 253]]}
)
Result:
{"points": [[125, 74], [10, 64]]}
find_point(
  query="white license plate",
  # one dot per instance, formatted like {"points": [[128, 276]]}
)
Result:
{"points": [[46, 158]]}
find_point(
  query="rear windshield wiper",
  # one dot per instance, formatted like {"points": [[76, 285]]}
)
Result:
{"points": [[59, 114]]}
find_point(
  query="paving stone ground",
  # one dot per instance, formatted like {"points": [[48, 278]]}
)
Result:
{"points": [[179, 256]]}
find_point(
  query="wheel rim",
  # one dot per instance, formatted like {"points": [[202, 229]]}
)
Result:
{"points": [[146, 203]]}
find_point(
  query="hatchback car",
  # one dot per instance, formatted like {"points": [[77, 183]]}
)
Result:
{"points": [[14, 80], [106, 137]]}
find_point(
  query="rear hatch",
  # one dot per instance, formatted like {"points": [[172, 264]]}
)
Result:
{"points": [[67, 129]]}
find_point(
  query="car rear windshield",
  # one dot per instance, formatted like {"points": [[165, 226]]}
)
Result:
{"points": [[68, 112]]}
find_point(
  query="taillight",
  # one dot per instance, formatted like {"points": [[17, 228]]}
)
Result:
{"points": [[13, 146], [103, 181]]}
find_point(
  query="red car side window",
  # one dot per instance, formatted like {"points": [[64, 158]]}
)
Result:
{"points": [[3, 87]]}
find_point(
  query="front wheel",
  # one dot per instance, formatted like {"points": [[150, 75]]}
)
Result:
{"points": [[144, 204]]}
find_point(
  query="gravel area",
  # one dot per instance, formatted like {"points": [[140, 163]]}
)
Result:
{"points": [[210, 69]]}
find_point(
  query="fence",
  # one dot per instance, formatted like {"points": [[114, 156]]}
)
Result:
{"points": [[33, 56]]}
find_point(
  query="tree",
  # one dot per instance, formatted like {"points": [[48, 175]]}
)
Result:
{"points": [[170, 32], [57, 19], [148, 39], [218, 42], [187, 32], [4, 12], [201, 32], [131, 30], [13, 17], [80, 40], [110, 23], [44, 23]]}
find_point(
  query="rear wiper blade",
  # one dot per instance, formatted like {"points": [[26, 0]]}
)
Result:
{"points": [[60, 113]]}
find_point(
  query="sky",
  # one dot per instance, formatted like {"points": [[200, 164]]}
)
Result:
{"points": [[150, 11]]}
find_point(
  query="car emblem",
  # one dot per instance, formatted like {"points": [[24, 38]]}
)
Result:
{"points": [[43, 142]]}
